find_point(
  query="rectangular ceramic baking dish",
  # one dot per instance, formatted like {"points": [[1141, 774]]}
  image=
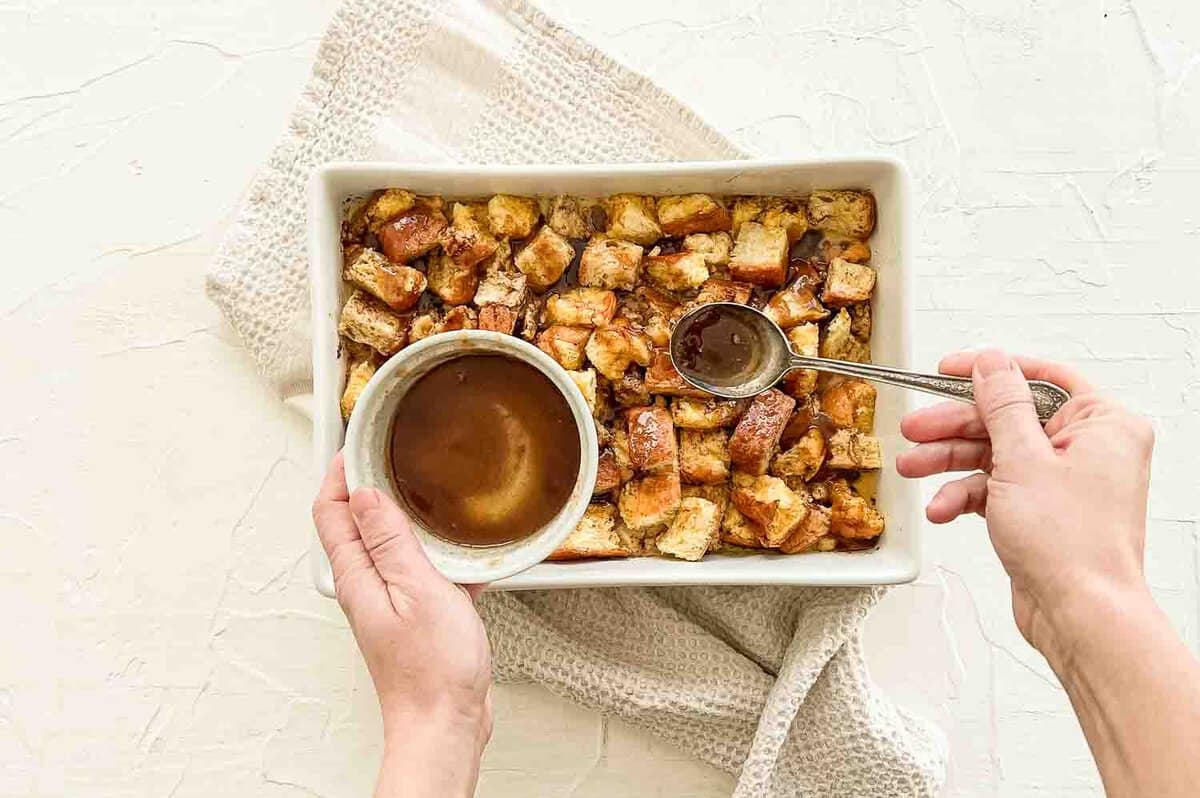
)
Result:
{"points": [[896, 559]]}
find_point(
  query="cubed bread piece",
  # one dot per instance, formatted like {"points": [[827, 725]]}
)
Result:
{"points": [[847, 283], [760, 255], [575, 217], [398, 286], [460, 317], [664, 380], [850, 214], [806, 416], [739, 530], [565, 344], [387, 205], [757, 433], [585, 380], [610, 474], [718, 290], [803, 459], [455, 284], [787, 214], [582, 307], [770, 503], [746, 209], [632, 217], [368, 321], [594, 536], [692, 530], [712, 413], [680, 271], [512, 217], [793, 306], [498, 318], [715, 247], [467, 240], [853, 516], [850, 404], [412, 234], [834, 247], [703, 456], [650, 502], [358, 375], [501, 286], [544, 259], [805, 340], [423, 326], [610, 263], [838, 343], [814, 527], [850, 450], [691, 213], [630, 390], [651, 439], [717, 494], [860, 321], [614, 348]]}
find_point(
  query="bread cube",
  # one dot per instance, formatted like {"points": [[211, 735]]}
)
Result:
{"points": [[753, 442], [610, 473], [715, 247], [846, 248], [692, 530], [498, 318], [632, 217], [651, 439], [738, 530], [423, 326], [838, 343], [664, 380], [703, 456], [368, 321], [398, 286], [847, 283], [680, 271], [850, 404], [585, 380], [760, 255], [501, 286], [849, 214], [805, 340], [717, 494], [387, 205], [455, 284], [703, 414], [718, 290], [461, 317], [793, 306], [860, 321], [852, 516], [806, 416], [530, 316], [630, 390], [610, 263], [412, 234], [615, 348], [582, 307], [850, 450], [815, 527], [770, 503], [358, 374], [467, 240], [746, 209], [594, 536], [803, 459], [649, 502], [575, 217], [691, 213], [512, 217], [564, 344], [787, 214], [544, 259]]}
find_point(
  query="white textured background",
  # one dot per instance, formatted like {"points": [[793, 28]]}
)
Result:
{"points": [[160, 636]]}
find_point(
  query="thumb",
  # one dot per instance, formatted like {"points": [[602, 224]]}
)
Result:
{"points": [[1006, 406], [386, 534]]}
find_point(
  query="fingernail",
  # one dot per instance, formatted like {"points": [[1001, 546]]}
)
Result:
{"points": [[991, 362]]}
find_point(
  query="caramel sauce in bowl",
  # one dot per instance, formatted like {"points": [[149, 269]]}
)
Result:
{"points": [[544, 484]]}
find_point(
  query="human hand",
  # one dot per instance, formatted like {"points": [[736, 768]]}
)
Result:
{"points": [[1065, 506], [423, 641]]}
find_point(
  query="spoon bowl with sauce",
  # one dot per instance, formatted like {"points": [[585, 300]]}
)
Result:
{"points": [[735, 351]]}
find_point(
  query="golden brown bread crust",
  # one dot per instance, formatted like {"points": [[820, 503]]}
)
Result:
{"points": [[368, 321], [691, 213], [594, 536], [664, 380], [847, 283], [793, 306], [679, 271], [512, 217], [704, 456], [574, 217], [760, 255], [544, 259], [399, 287], [412, 235], [691, 532], [711, 413], [582, 307], [498, 318], [770, 503], [610, 263], [633, 218], [850, 404], [650, 502], [803, 459], [651, 437], [453, 283], [716, 289], [564, 344], [849, 214], [757, 433]]}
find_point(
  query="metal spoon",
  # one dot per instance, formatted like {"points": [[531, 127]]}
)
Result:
{"points": [[745, 353]]}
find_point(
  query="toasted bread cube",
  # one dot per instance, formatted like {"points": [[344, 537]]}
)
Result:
{"points": [[467, 240], [860, 321], [680, 271], [852, 516], [610, 263], [757, 433], [387, 205], [575, 217], [398, 286], [738, 530], [460, 317], [692, 530], [582, 307], [368, 321], [455, 284], [787, 214], [814, 528], [760, 255], [615, 348], [746, 209], [498, 318], [664, 380], [610, 474], [412, 234], [850, 450], [850, 404], [846, 248], [501, 286], [585, 380], [850, 214], [715, 247], [564, 344], [594, 536], [691, 213], [806, 416], [770, 503], [793, 306], [838, 343], [651, 438], [544, 259], [825, 542], [530, 315], [423, 326], [803, 459], [358, 375], [630, 390], [847, 283], [632, 217], [690, 413], [718, 290], [649, 502], [703, 456], [512, 217], [805, 340], [717, 494]]}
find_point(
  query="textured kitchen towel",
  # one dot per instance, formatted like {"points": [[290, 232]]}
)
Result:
{"points": [[766, 683]]}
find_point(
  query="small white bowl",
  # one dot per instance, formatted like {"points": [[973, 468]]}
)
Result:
{"points": [[369, 434]]}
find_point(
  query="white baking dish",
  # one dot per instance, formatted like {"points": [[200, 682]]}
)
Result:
{"points": [[896, 558]]}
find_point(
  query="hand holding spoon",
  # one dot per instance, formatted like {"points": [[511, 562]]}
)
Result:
{"points": [[735, 352]]}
